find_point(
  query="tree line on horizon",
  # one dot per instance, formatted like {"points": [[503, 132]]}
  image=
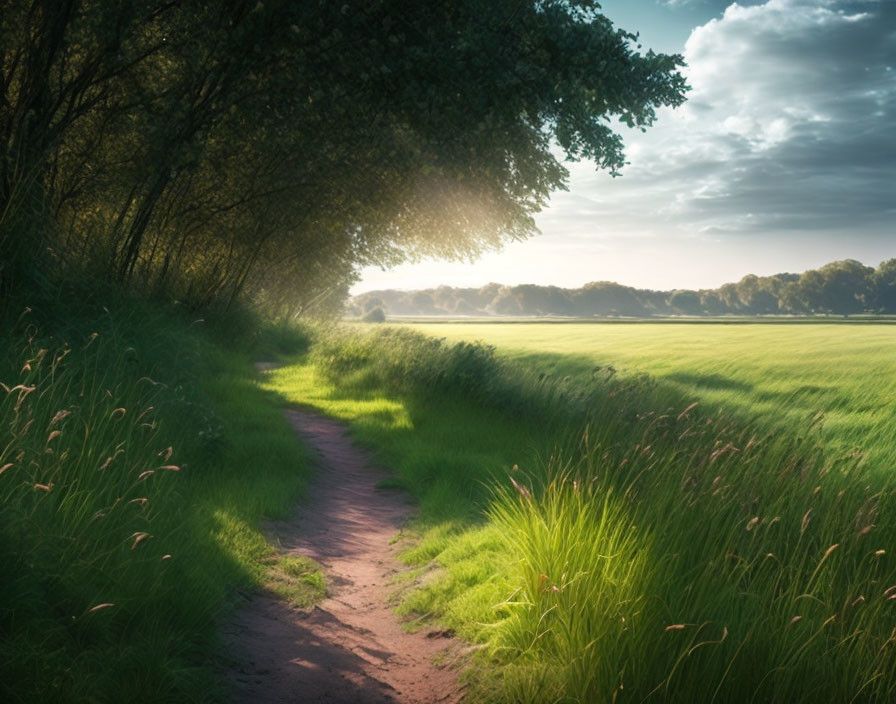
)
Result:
{"points": [[845, 287]]}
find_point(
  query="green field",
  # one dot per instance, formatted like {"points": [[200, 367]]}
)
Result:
{"points": [[779, 373], [608, 512], [604, 539]]}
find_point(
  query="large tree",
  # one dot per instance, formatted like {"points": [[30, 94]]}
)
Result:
{"points": [[266, 149]]}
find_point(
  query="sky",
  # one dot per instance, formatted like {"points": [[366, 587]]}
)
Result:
{"points": [[782, 159]]}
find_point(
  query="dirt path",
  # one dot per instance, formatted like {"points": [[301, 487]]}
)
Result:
{"points": [[350, 648]]}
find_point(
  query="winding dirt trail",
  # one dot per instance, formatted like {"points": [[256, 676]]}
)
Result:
{"points": [[350, 648]]}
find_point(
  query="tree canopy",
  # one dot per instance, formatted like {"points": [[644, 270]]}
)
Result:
{"points": [[266, 149]]}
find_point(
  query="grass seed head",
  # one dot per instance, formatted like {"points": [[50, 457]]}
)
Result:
{"points": [[520, 489], [805, 523], [139, 538]]}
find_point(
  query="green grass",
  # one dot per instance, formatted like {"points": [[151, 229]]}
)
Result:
{"points": [[595, 533], [139, 456], [297, 579], [668, 553], [780, 373]]}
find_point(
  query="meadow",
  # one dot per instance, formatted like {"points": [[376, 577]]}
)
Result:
{"points": [[603, 534], [139, 457], [779, 373], [607, 512]]}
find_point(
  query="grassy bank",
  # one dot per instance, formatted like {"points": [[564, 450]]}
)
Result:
{"points": [[781, 372], [605, 540], [139, 456]]}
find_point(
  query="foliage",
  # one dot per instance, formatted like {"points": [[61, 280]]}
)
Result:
{"points": [[375, 315], [210, 152], [127, 516], [667, 553], [842, 288]]}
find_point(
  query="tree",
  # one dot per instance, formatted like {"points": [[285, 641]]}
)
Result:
{"points": [[607, 298], [791, 299], [711, 303], [730, 298], [845, 286], [372, 303], [687, 302], [462, 307], [506, 303], [542, 300], [758, 295], [376, 315], [266, 150], [423, 304], [884, 286]]}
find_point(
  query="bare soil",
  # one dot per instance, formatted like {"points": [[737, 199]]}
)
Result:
{"points": [[350, 647]]}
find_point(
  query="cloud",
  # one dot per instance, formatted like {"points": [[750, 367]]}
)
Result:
{"points": [[783, 158], [790, 126]]}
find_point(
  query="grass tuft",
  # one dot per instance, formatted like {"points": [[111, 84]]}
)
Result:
{"points": [[297, 579]]}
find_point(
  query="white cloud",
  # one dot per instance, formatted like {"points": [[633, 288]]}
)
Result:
{"points": [[788, 136], [790, 118]]}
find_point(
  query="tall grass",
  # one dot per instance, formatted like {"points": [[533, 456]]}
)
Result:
{"points": [[137, 458], [645, 550], [781, 373]]}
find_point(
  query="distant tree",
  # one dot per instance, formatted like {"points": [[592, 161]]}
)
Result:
{"points": [[846, 286], [884, 287], [506, 303], [654, 302], [445, 297], [839, 287], [422, 304], [606, 298], [687, 302], [373, 303], [485, 295], [757, 295], [462, 307], [791, 299], [711, 303], [542, 300], [376, 315], [808, 293]]}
